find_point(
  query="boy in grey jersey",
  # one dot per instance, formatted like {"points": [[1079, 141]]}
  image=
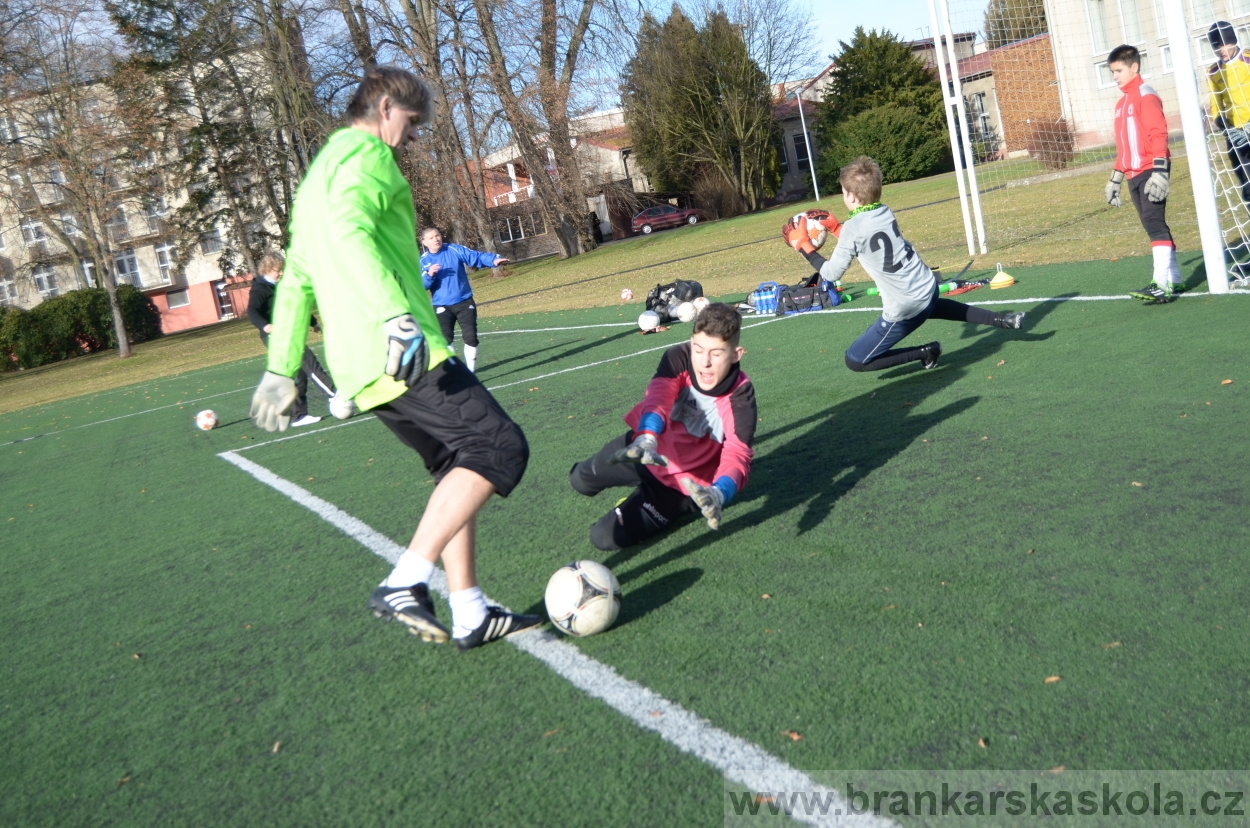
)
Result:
{"points": [[908, 288]]}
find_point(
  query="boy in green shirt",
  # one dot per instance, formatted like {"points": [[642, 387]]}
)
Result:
{"points": [[354, 252]]}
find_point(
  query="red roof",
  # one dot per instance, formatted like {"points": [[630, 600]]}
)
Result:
{"points": [[613, 139], [789, 109], [975, 66]]}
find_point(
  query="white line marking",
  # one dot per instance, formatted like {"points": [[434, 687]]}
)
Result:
{"points": [[737, 759]]}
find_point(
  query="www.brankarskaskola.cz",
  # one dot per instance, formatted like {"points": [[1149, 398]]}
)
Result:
{"points": [[952, 801]]}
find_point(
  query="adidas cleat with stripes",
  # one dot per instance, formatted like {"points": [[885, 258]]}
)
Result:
{"points": [[1153, 294], [411, 606], [498, 623]]}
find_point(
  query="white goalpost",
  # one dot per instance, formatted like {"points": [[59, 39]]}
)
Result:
{"points": [[1029, 98]]}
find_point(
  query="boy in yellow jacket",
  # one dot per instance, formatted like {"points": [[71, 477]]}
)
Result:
{"points": [[1229, 77]]}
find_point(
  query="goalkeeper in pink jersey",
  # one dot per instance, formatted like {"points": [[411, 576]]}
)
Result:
{"points": [[688, 450]]}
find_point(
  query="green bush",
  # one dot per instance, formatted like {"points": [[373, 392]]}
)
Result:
{"points": [[74, 323], [897, 137]]}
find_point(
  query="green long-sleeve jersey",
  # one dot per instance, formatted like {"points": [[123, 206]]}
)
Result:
{"points": [[354, 252]]}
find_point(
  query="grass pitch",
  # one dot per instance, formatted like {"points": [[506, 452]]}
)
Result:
{"points": [[1037, 547]]}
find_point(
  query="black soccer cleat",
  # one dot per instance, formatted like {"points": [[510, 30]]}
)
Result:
{"points": [[497, 624], [1153, 294], [929, 355], [411, 606], [1012, 320]]}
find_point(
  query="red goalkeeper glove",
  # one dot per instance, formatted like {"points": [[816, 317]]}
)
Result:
{"points": [[795, 234], [827, 220]]}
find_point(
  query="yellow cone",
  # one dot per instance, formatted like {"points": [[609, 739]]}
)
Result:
{"points": [[1002, 279]]}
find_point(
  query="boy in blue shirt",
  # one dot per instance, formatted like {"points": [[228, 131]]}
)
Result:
{"points": [[443, 274]]}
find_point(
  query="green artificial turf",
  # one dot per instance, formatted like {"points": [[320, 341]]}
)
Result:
{"points": [[915, 554]]}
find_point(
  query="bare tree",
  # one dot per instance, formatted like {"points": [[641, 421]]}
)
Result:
{"points": [[79, 162], [779, 34]]}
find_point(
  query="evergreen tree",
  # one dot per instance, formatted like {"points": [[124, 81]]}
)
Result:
{"points": [[884, 103], [700, 111]]}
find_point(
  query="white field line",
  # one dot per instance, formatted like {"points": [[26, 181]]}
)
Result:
{"points": [[738, 760], [124, 416]]}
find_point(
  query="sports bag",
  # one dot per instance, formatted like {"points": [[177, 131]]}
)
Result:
{"points": [[674, 293], [813, 295]]}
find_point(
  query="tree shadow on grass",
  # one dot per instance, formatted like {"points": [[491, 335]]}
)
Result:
{"points": [[574, 351]]}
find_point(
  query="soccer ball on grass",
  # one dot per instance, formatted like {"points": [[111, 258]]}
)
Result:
{"points": [[626, 295], [649, 320], [686, 312], [583, 598], [206, 420]]}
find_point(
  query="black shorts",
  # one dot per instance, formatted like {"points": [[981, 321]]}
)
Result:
{"points": [[452, 421], [464, 313]]}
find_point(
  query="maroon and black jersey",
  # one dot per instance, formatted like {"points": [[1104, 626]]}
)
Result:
{"points": [[707, 433]]}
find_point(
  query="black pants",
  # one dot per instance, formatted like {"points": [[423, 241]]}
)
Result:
{"points": [[310, 367], [1239, 158], [1150, 212], [463, 312], [651, 509]]}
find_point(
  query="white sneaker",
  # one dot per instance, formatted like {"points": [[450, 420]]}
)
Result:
{"points": [[342, 407], [307, 419]]}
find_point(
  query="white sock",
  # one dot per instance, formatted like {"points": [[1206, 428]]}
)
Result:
{"points": [[1174, 269], [1163, 255], [468, 610], [470, 356], [411, 569]]}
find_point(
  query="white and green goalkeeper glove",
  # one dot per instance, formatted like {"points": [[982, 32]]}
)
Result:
{"points": [[645, 449], [1157, 186], [709, 499], [1112, 190], [406, 353], [271, 403]]}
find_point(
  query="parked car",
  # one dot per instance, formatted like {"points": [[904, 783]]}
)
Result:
{"points": [[663, 217]]}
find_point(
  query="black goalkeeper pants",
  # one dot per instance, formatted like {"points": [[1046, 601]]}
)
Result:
{"points": [[650, 510]]}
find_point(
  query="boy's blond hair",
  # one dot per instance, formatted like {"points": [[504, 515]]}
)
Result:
{"points": [[862, 179], [271, 263]]}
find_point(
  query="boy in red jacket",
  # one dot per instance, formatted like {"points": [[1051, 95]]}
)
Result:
{"points": [[1142, 156], [688, 449]]}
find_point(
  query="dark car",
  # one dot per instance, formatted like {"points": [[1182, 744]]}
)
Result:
{"points": [[663, 217]]}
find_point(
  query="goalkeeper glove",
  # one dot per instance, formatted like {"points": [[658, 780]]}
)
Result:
{"points": [[709, 499], [795, 234], [271, 403], [827, 220], [1157, 186], [644, 449], [406, 353], [1236, 137], [1112, 190]]}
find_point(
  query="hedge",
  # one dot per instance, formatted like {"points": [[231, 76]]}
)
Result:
{"points": [[78, 322]]}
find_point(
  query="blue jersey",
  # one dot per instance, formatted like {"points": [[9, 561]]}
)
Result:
{"points": [[450, 285]]}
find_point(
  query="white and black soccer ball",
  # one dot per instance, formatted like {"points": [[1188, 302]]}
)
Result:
{"points": [[649, 320], [583, 598], [206, 420], [686, 312]]}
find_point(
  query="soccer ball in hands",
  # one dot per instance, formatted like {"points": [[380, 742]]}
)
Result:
{"points": [[649, 320], [686, 312], [206, 420], [816, 231], [626, 295], [583, 598]]}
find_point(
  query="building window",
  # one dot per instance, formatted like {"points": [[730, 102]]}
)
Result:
{"points": [[515, 228], [8, 292], [8, 129], [117, 226], [45, 123], [1097, 12], [155, 211], [783, 158], [178, 298], [1130, 16], [800, 153], [210, 242], [69, 225], [88, 272], [57, 177], [225, 309], [45, 281], [1203, 12], [165, 261], [32, 230], [128, 268]]}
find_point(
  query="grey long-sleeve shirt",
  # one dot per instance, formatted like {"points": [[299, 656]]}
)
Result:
{"points": [[905, 282]]}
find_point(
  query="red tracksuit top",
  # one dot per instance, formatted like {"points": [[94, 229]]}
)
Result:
{"points": [[707, 434], [1141, 131]]}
